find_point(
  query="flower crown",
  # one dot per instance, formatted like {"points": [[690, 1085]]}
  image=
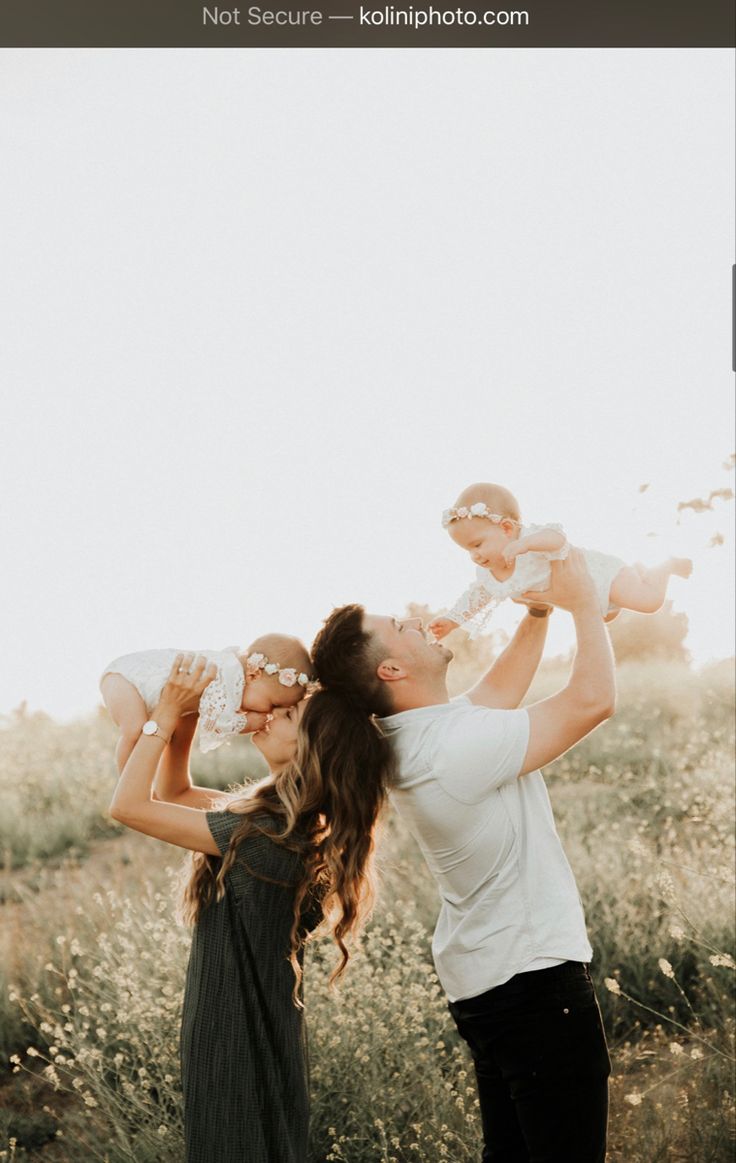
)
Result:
{"points": [[288, 675], [479, 509]]}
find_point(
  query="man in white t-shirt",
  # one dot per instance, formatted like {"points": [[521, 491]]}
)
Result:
{"points": [[510, 945]]}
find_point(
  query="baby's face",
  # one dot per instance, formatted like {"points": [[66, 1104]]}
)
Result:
{"points": [[483, 540], [262, 692]]}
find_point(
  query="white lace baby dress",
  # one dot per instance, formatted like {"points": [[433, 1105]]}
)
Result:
{"points": [[220, 716], [474, 608]]}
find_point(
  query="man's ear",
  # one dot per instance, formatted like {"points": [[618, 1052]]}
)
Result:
{"points": [[390, 670]]}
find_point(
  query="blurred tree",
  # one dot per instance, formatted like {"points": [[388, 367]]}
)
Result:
{"points": [[639, 636], [23, 714]]}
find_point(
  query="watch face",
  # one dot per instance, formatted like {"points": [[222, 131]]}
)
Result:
{"points": [[150, 728]]}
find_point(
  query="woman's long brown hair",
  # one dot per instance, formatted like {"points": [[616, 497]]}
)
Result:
{"points": [[325, 803]]}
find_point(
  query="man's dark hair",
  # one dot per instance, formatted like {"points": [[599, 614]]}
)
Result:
{"points": [[345, 657]]}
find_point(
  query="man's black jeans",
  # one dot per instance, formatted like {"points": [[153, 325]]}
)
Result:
{"points": [[542, 1066]]}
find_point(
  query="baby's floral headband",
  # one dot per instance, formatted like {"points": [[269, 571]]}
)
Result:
{"points": [[288, 675], [479, 509]]}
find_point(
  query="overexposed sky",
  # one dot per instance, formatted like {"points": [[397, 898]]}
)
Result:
{"points": [[265, 313]]}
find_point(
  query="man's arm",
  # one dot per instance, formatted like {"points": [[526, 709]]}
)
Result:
{"points": [[589, 698], [504, 685], [173, 783]]}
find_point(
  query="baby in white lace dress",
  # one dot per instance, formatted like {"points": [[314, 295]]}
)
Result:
{"points": [[512, 559], [273, 672]]}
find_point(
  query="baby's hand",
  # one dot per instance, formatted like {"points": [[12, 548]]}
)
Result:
{"points": [[255, 721], [511, 550], [441, 627]]}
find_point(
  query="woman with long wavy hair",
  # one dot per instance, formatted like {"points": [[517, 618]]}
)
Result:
{"points": [[270, 863]]}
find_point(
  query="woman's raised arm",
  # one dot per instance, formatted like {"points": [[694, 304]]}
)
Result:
{"points": [[173, 783], [133, 803]]}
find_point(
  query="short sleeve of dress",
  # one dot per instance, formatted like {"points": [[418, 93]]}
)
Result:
{"points": [[222, 824], [259, 857], [220, 716], [554, 555], [474, 607]]}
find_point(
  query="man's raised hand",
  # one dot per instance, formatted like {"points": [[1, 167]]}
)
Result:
{"points": [[570, 587]]}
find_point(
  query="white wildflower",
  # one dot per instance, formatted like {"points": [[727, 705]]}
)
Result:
{"points": [[666, 885], [723, 959]]}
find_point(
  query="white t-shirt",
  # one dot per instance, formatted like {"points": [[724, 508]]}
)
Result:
{"points": [[509, 898]]}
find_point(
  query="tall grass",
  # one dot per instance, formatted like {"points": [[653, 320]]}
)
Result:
{"points": [[56, 783], [645, 809]]}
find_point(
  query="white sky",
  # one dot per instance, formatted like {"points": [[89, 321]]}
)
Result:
{"points": [[264, 314]]}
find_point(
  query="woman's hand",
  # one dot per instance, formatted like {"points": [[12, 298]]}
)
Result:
{"points": [[134, 803], [188, 679]]}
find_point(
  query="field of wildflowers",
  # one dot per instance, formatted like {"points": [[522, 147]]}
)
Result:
{"points": [[92, 962]]}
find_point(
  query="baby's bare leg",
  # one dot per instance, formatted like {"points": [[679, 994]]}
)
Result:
{"points": [[128, 711], [644, 590]]}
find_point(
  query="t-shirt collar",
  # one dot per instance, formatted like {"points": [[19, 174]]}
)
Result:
{"points": [[401, 718]]}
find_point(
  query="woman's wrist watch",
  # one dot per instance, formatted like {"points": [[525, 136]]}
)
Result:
{"points": [[152, 728]]}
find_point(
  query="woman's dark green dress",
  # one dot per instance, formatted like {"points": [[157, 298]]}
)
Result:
{"points": [[243, 1045]]}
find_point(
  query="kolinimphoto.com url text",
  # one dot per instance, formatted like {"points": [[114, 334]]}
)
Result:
{"points": [[386, 17]]}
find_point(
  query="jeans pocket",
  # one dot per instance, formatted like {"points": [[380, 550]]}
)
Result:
{"points": [[576, 993], [582, 1037]]}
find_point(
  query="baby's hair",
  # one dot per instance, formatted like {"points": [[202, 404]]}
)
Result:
{"points": [[283, 649], [496, 497]]}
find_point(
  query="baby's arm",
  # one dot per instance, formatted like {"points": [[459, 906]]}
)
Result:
{"points": [[441, 627], [219, 719], [549, 539], [470, 603]]}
